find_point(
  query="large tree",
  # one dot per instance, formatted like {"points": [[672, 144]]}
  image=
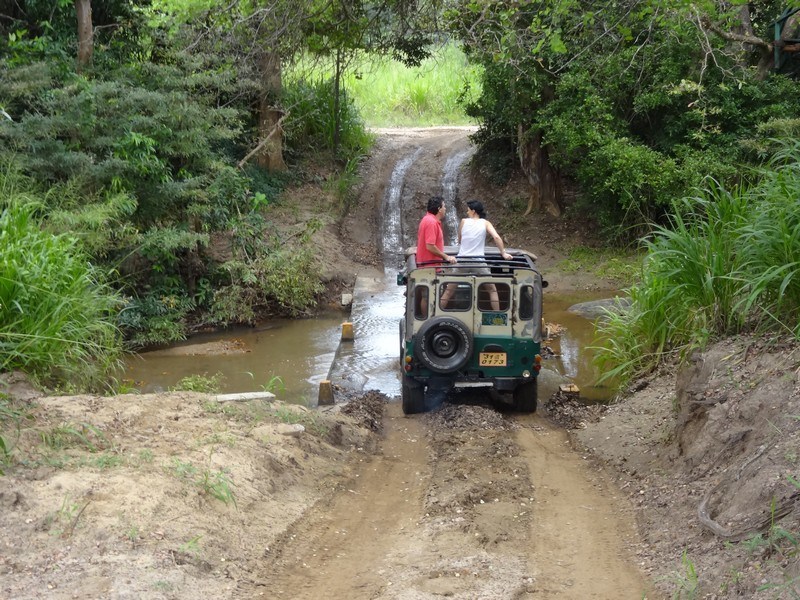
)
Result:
{"points": [[83, 11], [636, 100]]}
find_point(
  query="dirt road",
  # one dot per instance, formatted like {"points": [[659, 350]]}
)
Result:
{"points": [[178, 495], [465, 503]]}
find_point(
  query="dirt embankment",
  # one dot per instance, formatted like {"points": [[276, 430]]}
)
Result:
{"points": [[710, 457], [179, 495]]}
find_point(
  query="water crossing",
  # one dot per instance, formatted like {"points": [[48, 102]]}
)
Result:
{"points": [[304, 352], [450, 192]]}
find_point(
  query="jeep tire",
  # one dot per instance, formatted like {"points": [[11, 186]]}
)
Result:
{"points": [[443, 344], [525, 397], [413, 394]]}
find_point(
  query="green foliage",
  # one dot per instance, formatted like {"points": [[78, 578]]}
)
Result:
{"points": [[278, 274], [344, 184], [631, 105], [62, 522], [156, 318], [70, 435], [308, 420], [216, 484], [12, 416], [56, 311], [728, 262], [686, 582], [312, 122], [274, 385], [200, 383], [389, 93], [607, 264]]}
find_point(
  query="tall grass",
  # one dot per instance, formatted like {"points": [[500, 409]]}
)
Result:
{"points": [[56, 313], [387, 93], [311, 125], [729, 262]]}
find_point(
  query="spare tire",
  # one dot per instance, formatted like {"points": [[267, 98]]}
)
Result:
{"points": [[443, 344]]}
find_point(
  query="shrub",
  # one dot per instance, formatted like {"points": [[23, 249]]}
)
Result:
{"points": [[728, 262], [56, 310]]}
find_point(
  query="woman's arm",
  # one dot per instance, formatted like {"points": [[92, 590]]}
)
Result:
{"points": [[497, 240], [460, 227]]}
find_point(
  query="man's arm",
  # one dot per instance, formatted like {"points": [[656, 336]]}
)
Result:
{"points": [[434, 250]]}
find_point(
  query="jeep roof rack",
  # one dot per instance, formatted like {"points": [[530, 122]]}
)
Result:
{"points": [[521, 259]]}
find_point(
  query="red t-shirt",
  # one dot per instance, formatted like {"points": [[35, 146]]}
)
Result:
{"points": [[430, 232]]}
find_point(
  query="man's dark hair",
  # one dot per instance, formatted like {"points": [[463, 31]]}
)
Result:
{"points": [[434, 204]]}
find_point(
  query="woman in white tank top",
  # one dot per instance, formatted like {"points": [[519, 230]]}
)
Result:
{"points": [[472, 232], [472, 240]]}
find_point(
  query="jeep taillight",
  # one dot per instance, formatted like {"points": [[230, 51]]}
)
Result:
{"points": [[408, 366], [537, 363]]}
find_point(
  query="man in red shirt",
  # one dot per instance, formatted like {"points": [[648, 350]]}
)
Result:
{"points": [[430, 238]]}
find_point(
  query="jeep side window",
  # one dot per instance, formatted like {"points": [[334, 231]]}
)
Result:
{"points": [[494, 297], [421, 302], [526, 302], [455, 296]]}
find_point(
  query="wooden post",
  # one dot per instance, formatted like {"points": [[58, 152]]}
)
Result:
{"points": [[347, 332], [325, 397]]}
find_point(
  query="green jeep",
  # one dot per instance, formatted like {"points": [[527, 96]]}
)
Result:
{"points": [[474, 324]]}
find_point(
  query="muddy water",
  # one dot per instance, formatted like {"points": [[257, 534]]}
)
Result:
{"points": [[301, 352], [573, 348]]}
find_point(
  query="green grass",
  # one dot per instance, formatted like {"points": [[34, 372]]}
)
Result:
{"points": [[216, 484], [307, 419], [606, 263], [12, 416], [74, 435], [686, 581], [207, 384], [728, 263], [57, 314], [389, 94]]}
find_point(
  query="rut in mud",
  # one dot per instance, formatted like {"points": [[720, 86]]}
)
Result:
{"points": [[463, 502]]}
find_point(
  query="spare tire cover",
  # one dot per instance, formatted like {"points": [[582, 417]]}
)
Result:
{"points": [[443, 344]]}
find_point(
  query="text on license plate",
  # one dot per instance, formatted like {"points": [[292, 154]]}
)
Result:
{"points": [[492, 359]]}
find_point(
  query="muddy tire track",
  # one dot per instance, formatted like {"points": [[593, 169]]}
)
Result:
{"points": [[465, 503]]}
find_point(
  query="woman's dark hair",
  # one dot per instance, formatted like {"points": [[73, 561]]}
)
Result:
{"points": [[477, 206]]}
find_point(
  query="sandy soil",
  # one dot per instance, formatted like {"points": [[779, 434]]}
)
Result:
{"points": [[180, 495]]}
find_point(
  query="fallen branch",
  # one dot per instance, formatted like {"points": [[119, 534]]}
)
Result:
{"points": [[278, 127], [786, 506], [71, 528]]}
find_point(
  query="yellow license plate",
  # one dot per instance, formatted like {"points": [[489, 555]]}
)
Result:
{"points": [[492, 359]]}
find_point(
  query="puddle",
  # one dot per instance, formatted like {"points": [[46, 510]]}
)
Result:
{"points": [[300, 352]]}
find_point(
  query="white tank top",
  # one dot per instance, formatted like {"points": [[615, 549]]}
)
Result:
{"points": [[473, 237]]}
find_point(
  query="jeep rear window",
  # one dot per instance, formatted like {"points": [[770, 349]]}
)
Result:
{"points": [[526, 302], [421, 302], [497, 299], [455, 296]]}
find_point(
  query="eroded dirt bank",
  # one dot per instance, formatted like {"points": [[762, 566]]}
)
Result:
{"points": [[709, 456]]}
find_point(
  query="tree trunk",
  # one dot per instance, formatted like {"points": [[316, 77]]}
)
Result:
{"points": [[83, 10], [337, 121], [270, 156], [544, 179]]}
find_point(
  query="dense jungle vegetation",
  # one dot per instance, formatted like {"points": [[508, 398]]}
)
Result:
{"points": [[143, 144]]}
